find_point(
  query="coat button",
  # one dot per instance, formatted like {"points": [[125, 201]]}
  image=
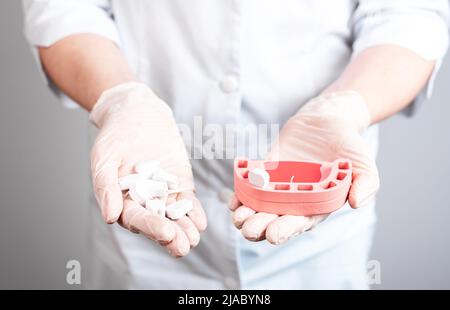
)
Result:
{"points": [[225, 195], [229, 84], [230, 283]]}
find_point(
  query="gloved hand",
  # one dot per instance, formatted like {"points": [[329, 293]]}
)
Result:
{"points": [[136, 126], [326, 128]]}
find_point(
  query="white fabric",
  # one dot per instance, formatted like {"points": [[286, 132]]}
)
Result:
{"points": [[242, 62]]}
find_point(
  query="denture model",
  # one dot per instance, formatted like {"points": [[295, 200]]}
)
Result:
{"points": [[292, 187]]}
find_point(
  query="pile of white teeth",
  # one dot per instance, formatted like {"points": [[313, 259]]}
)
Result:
{"points": [[151, 186]]}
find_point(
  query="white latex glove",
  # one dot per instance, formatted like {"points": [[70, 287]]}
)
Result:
{"points": [[136, 126], [326, 128]]}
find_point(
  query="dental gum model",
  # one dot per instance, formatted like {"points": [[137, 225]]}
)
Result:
{"points": [[151, 186], [292, 187]]}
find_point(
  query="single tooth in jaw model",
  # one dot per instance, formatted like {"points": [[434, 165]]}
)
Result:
{"points": [[259, 177]]}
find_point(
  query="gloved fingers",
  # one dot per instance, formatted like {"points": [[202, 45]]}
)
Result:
{"points": [[234, 203], [119, 221], [130, 210], [288, 226], [364, 187], [111, 202], [254, 228], [180, 244], [190, 230], [365, 181], [240, 215], [106, 188], [138, 219], [197, 214]]}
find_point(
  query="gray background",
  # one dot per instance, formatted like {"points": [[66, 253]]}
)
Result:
{"points": [[44, 160]]}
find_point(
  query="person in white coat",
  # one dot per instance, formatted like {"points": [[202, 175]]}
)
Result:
{"points": [[326, 71]]}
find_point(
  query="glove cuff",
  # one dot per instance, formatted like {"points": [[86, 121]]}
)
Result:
{"points": [[346, 105], [112, 99]]}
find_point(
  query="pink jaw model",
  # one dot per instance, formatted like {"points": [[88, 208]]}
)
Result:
{"points": [[295, 188]]}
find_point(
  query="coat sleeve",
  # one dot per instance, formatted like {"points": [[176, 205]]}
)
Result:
{"points": [[47, 21], [418, 25]]}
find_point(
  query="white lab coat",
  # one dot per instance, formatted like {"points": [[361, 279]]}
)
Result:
{"points": [[241, 62]]}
